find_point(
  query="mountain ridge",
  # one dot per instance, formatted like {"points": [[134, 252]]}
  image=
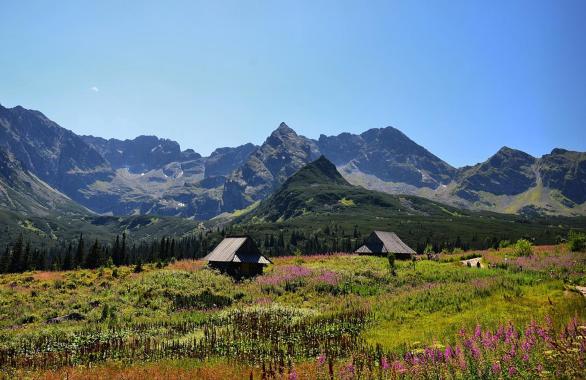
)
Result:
{"points": [[151, 175]]}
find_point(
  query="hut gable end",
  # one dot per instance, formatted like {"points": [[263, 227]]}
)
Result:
{"points": [[379, 242]]}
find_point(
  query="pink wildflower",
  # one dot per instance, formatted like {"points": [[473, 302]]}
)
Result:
{"points": [[496, 368], [384, 363]]}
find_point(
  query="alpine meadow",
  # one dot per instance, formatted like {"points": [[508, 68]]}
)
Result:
{"points": [[159, 219]]}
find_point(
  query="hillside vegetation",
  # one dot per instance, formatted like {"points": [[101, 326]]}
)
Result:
{"points": [[318, 203]]}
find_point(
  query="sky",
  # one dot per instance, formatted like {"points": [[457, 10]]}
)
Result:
{"points": [[461, 78]]}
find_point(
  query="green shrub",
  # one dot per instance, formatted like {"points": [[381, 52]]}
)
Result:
{"points": [[392, 265], [576, 241], [504, 244], [523, 247]]}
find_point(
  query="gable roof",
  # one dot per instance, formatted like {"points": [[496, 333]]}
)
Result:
{"points": [[363, 249], [238, 249], [390, 243]]}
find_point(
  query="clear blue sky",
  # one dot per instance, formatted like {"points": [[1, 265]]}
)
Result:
{"points": [[461, 78]]}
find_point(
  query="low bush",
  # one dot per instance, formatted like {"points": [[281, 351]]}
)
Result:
{"points": [[523, 247]]}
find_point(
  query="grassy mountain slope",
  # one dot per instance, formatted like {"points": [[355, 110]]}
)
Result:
{"points": [[317, 196]]}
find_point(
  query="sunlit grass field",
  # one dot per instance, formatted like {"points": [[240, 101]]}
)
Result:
{"points": [[306, 317]]}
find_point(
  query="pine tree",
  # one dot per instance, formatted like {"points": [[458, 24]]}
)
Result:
{"points": [[27, 259], [68, 259], [116, 257], [5, 260], [16, 259], [123, 258], [93, 258], [80, 252]]}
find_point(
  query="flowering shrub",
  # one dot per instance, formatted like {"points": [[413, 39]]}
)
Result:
{"points": [[507, 352], [289, 277]]}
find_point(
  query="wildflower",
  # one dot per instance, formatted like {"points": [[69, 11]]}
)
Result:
{"points": [[384, 364], [475, 351], [293, 375], [512, 371], [321, 359], [477, 332], [347, 372], [496, 368], [398, 367], [448, 353]]}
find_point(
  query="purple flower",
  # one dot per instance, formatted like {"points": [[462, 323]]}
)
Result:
{"points": [[321, 359], [477, 332], [496, 368], [293, 375], [512, 371], [347, 372], [328, 277], [448, 353], [398, 367], [384, 364], [284, 275]]}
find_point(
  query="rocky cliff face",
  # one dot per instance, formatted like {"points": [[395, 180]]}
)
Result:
{"points": [[56, 155], [282, 154], [508, 172], [565, 171], [389, 155], [25, 193]]}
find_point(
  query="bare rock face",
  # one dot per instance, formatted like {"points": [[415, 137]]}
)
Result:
{"points": [[508, 172], [282, 154], [389, 155], [224, 161], [54, 154], [565, 171]]}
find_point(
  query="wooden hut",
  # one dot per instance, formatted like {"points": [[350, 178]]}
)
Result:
{"points": [[383, 242], [237, 256]]}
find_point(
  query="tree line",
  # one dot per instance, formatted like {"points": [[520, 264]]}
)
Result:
{"points": [[20, 256]]}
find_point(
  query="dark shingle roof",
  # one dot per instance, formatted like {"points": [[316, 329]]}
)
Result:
{"points": [[239, 249], [392, 243], [383, 242]]}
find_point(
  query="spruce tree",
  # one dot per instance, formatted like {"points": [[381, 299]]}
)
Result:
{"points": [[116, 257], [93, 258], [68, 259], [123, 257], [80, 252], [5, 261], [16, 259]]}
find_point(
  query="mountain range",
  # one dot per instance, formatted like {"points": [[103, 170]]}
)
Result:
{"points": [[44, 167]]}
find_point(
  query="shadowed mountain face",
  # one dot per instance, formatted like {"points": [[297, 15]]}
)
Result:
{"points": [[25, 193], [54, 154], [142, 154], [224, 161], [150, 175], [565, 171], [508, 172], [280, 156], [389, 155]]}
